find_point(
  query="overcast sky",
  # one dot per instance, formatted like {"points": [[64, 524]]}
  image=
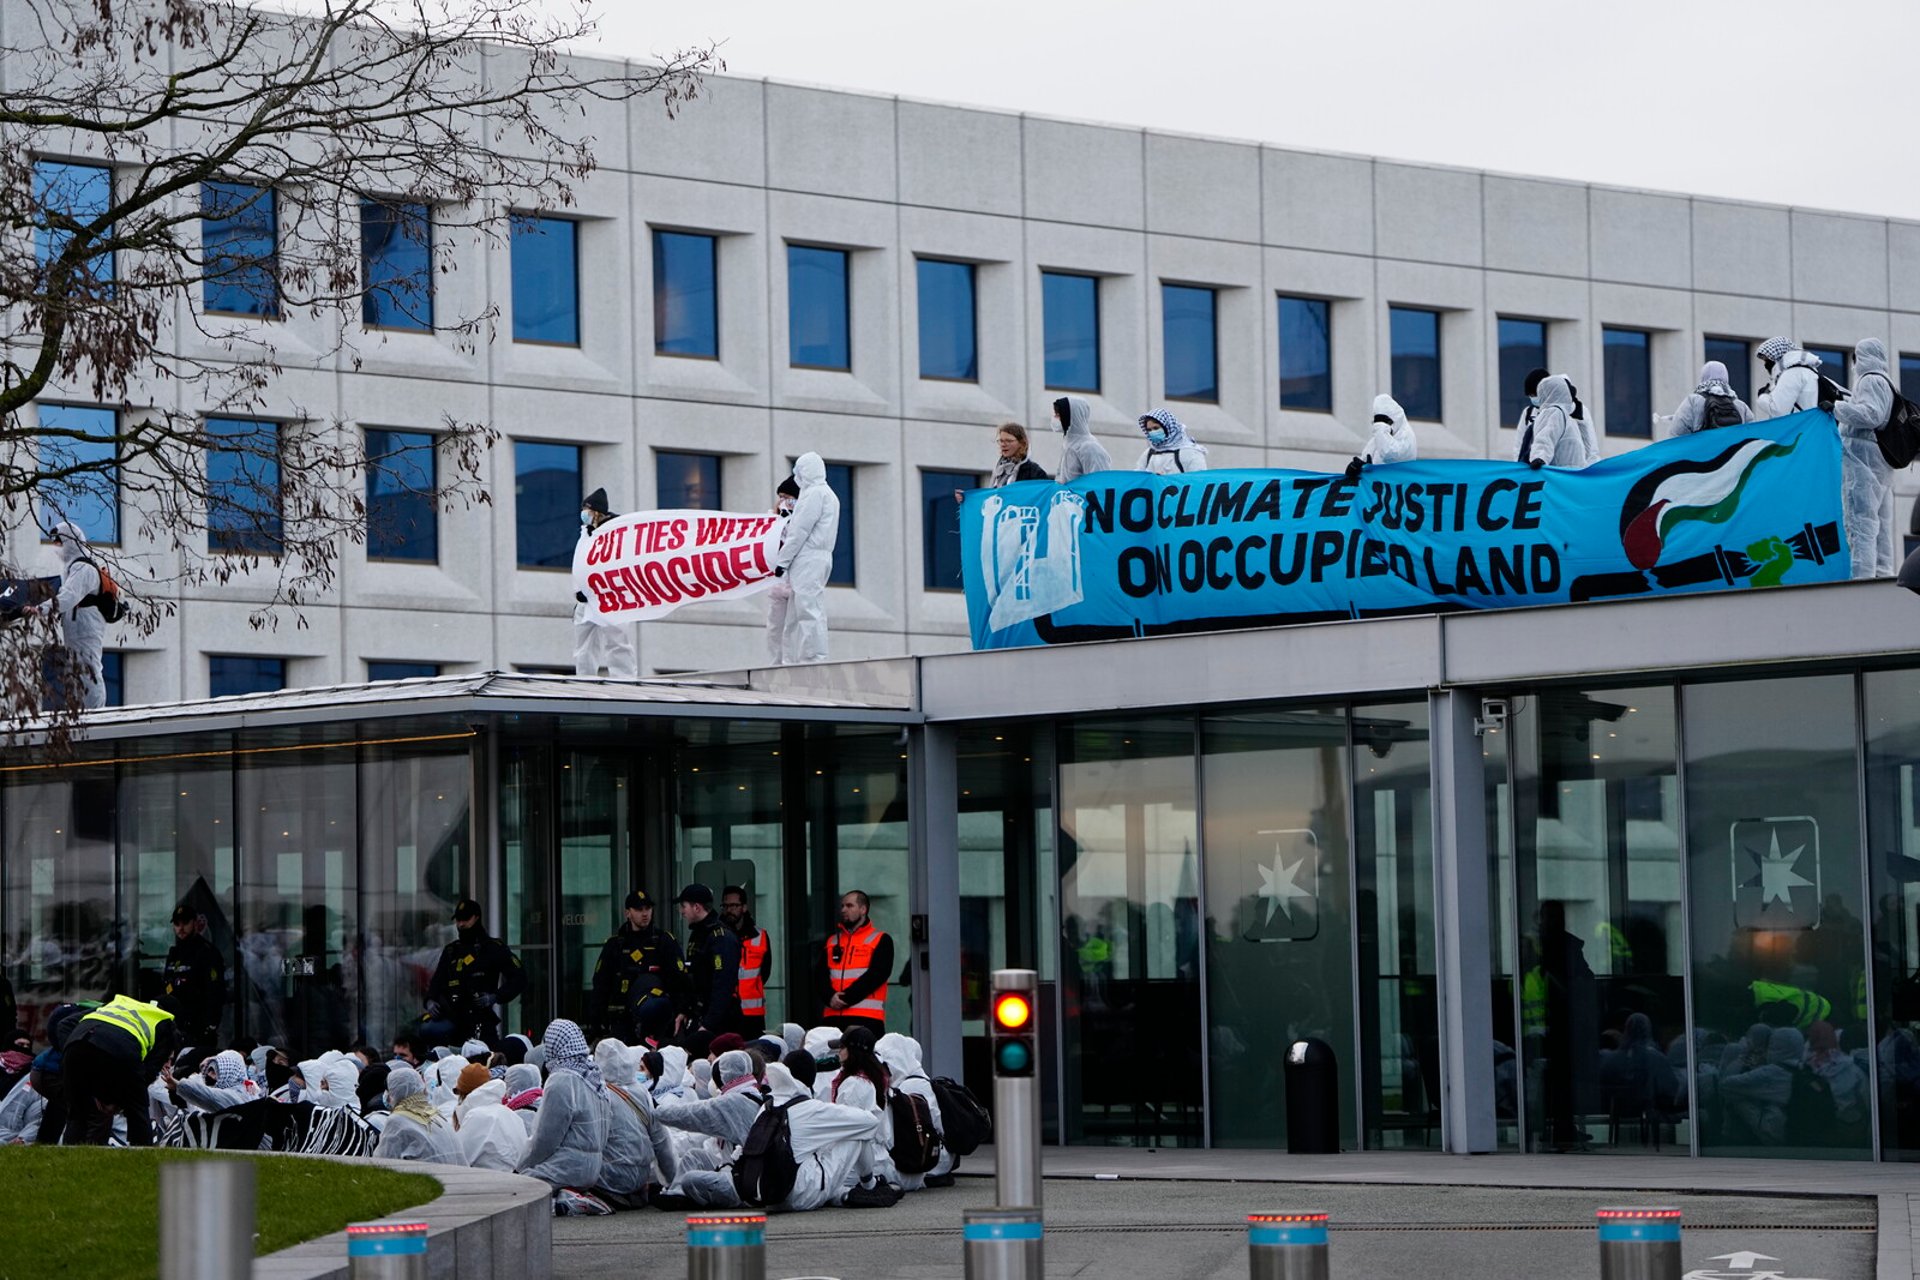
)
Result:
{"points": [[1793, 103]]}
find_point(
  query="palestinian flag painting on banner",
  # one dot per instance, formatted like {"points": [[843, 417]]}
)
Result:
{"points": [[1707, 490]]}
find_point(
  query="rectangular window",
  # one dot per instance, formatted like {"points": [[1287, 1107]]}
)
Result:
{"points": [[402, 523], [79, 475], [240, 240], [546, 503], [1415, 342], [1737, 355], [840, 480], [1306, 355], [1629, 382], [229, 674], [1187, 327], [401, 670], [687, 480], [1909, 375], [817, 308], [1070, 315], [948, 346], [70, 193], [1523, 348], [113, 674], [243, 486], [396, 265], [940, 527], [546, 280], [686, 310], [1835, 363]]}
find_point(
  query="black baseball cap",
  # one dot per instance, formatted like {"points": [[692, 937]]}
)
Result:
{"points": [[853, 1038], [466, 909], [697, 893], [639, 899], [184, 914]]}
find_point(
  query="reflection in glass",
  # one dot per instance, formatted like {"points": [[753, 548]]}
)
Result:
{"points": [[176, 848], [1781, 1053], [1279, 956], [526, 842], [1306, 354], [88, 494], [686, 294], [1415, 337], [401, 478], [1523, 348], [595, 866], [80, 192], [61, 939], [949, 345], [1070, 317], [840, 480], [230, 674], [243, 486], [858, 809], [546, 280], [417, 861], [687, 481], [547, 490], [396, 255], [1893, 833], [1130, 912], [1503, 946], [729, 831], [940, 527], [1191, 342], [1737, 355], [239, 239], [817, 308], [1629, 379], [1835, 363]]}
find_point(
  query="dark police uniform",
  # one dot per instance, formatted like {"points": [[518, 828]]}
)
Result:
{"points": [[635, 979], [476, 975], [193, 988], [712, 1001]]}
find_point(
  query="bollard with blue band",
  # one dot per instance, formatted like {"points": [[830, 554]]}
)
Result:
{"points": [[727, 1246], [1004, 1244], [1639, 1244], [387, 1251], [1287, 1246]]}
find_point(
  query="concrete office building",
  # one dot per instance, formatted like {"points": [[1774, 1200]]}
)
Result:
{"points": [[883, 281]]}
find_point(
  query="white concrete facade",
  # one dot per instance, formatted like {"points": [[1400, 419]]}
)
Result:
{"points": [[761, 164]]}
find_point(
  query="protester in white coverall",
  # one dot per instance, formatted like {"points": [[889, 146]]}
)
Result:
{"points": [[1557, 438], [415, 1129], [570, 1138], [1866, 482], [1796, 379], [828, 1141], [906, 1074], [1708, 405], [805, 560], [724, 1119], [1523, 427], [1081, 454], [1392, 439], [780, 594], [491, 1137], [598, 644], [1170, 450], [83, 628]]}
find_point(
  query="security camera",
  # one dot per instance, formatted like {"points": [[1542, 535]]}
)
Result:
{"points": [[1493, 715]]}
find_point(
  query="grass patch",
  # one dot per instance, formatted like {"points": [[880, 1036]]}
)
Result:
{"points": [[95, 1212]]}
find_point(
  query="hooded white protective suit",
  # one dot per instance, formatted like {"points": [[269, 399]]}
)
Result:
{"points": [[1691, 416], [723, 1120], [1866, 482], [1393, 440], [20, 1112], [82, 629], [599, 644], [906, 1074], [673, 1083], [570, 1142], [523, 1078], [1557, 438], [491, 1137], [628, 1166], [1796, 380], [1081, 454], [828, 1141], [410, 1136], [806, 555]]}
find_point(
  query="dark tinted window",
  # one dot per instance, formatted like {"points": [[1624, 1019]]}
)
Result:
{"points": [[113, 673], [546, 280], [690, 480], [396, 263], [949, 346], [401, 473], [1306, 354], [686, 306], [1835, 363], [546, 495], [401, 670], [940, 527], [1629, 383], [1070, 311], [1737, 355], [243, 486], [1416, 361], [239, 236], [1187, 316], [817, 308], [80, 192], [1523, 348], [229, 674], [1909, 375], [89, 496], [840, 480]]}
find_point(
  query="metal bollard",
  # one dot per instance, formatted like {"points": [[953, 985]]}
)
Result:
{"points": [[1639, 1244], [387, 1251], [1004, 1244], [727, 1246], [206, 1220], [1287, 1246]]}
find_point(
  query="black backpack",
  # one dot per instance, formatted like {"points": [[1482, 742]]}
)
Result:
{"points": [[765, 1171], [916, 1143], [107, 599], [965, 1124], [1899, 439], [1718, 411]]}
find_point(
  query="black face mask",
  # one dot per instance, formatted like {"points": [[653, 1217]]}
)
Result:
{"points": [[278, 1074], [1381, 417]]}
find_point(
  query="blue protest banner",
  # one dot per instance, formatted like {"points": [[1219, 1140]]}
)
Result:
{"points": [[1125, 553]]}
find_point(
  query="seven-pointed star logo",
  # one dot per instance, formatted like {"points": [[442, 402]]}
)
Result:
{"points": [[1777, 879], [1280, 886]]}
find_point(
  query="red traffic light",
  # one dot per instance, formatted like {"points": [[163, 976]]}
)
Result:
{"points": [[1012, 1011]]}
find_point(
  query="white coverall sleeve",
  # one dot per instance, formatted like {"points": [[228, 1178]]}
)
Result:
{"points": [[1685, 420], [809, 509], [1549, 425], [1863, 414]]}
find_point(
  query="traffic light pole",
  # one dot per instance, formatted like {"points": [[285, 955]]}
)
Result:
{"points": [[1016, 1105]]}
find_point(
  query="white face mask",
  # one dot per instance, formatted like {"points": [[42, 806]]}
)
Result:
{"points": [[785, 507], [586, 519]]}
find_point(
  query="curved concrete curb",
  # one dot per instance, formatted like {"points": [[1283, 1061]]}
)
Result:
{"points": [[484, 1226]]}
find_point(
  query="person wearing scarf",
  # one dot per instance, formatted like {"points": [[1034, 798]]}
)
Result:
{"points": [[570, 1136], [1693, 415], [415, 1130], [1170, 450], [1014, 462]]}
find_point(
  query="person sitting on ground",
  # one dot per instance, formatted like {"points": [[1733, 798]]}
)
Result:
{"points": [[21, 1112], [724, 1120], [415, 1129], [570, 1141], [491, 1137], [220, 1083], [862, 1083], [524, 1093], [829, 1142], [627, 1168], [371, 1089], [905, 1074]]}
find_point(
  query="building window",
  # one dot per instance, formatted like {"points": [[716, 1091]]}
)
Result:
{"points": [[401, 670], [948, 346], [940, 526], [1306, 355], [243, 486], [396, 264], [1187, 326], [1523, 348], [1070, 319], [88, 494], [686, 311], [546, 280], [1835, 363], [1737, 355], [687, 480], [817, 308], [840, 480], [240, 240], [231, 673], [402, 474], [546, 501], [71, 192], [1415, 343], [1629, 378], [113, 677], [1909, 375]]}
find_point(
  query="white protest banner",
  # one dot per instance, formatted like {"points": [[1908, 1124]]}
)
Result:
{"points": [[639, 567]]}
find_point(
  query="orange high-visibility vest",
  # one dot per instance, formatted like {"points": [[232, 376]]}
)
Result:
{"points": [[848, 957], [753, 975]]}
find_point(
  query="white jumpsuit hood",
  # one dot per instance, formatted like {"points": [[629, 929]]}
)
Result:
{"points": [[1796, 380], [491, 1137], [1866, 482], [828, 1141], [1081, 454], [629, 1156], [1691, 416], [82, 630], [901, 1054], [806, 555], [1557, 440], [1393, 440]]}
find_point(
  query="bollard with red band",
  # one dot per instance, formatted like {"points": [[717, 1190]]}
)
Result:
{"points": [[1287, 1246], [1639, 1244], [387, 1251], [727, 1246]]}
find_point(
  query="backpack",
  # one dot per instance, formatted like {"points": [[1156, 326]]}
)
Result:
{"points": [[1899, 437], [1718, 411], [964, 1122], [1830, 392], [765, 1171], [916, 1143], [107, 598]]}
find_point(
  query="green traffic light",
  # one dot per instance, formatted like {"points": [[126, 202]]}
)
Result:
{"points": [[1014, 1057]]}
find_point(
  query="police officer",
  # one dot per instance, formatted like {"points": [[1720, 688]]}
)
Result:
{"points": [[114, 1053], [756, 960], [194, 982], [638, 971], [712, 1003], [859, 958], [476, 978]]}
